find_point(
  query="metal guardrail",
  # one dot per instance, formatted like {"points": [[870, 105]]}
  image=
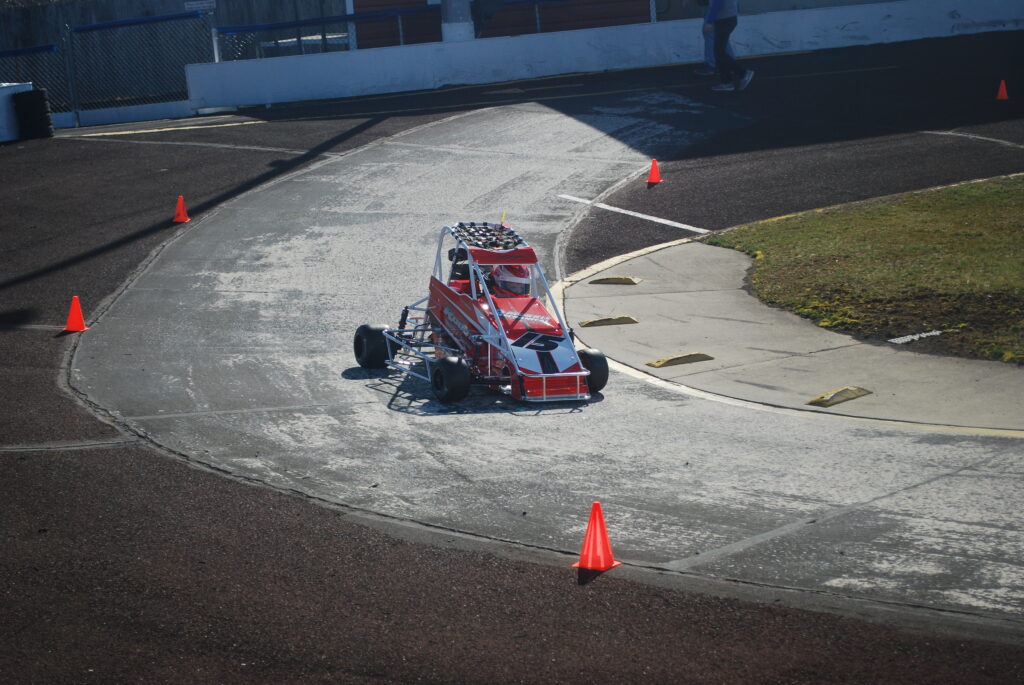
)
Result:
{"points": [[339, 32]]}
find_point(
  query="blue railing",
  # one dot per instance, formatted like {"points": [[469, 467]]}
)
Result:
{"points": [[24, 52], [137, 21], [337, 19], [283, 38]]}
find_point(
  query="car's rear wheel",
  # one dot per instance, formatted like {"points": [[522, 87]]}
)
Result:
{"points": [[451, 379], [595, 362], [371, 347]]}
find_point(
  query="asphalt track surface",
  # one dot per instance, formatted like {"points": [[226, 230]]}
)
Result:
{"points": [[122, 562]]}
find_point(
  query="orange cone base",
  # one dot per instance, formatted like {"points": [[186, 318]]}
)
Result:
{"points": [[76, 322], [579, 564], [180, 215], [655, 175]]}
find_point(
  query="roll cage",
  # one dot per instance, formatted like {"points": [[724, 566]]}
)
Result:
{"points": [[466, 254]]}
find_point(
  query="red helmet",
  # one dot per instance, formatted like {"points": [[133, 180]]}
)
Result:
{"points": [[514, 278]]}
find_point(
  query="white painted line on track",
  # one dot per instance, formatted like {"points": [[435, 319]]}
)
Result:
{"points": [[32, 327], [225, 146], [165, 129], [520, 91], [68, 446], [973, 136], [647, 217], [230, 412]]}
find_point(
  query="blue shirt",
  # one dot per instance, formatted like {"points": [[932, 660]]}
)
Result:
{"points": [[722, 9]]}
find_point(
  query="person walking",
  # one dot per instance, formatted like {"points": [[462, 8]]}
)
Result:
{"points": [[708, 67], [720, 21]]}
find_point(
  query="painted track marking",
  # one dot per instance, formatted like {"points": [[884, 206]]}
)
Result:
{"points": [[647, 217], [972, 136]]}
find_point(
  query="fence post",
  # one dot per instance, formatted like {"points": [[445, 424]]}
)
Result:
{"points": [[69, 60], [353, 41], [215, 39], [456, 21]]}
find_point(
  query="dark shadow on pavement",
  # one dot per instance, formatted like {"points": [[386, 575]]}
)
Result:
{"points": [[585, 576], [14, 318]]}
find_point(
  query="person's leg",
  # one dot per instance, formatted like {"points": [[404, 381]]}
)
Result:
{"points": [[727, 67], [707, 68], [709, 48]]}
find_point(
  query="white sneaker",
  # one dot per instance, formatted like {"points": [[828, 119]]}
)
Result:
{"points": [[721, 87], [745, 81]]}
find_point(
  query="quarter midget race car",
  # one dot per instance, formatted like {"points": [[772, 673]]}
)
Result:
{"points": [[489, 319]]}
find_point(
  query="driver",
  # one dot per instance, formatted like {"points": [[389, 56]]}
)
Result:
{"points": [[511, 280]]}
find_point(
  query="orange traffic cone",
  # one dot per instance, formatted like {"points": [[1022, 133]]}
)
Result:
{"points": [[1002, 94], [180, 215], [76, 322], [596, 554], [655, 175]]}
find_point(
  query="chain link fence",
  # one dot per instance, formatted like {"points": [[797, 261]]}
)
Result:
{"points": [[137, 61], [279, 40], [45, 67]]}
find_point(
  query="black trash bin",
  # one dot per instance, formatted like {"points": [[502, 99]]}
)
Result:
{"points": [[32, 112]]}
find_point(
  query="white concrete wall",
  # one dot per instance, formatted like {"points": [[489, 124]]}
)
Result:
{"points": [[8, 122], [494, 60]]}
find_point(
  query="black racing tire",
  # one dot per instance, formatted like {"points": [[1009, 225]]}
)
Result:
{"points": [[371, 347], [451, 379], [32, 113], [595, 362]]}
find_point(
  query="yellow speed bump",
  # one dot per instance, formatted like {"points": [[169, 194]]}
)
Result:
{"points": [[680, 359], [616, 280], [608, 321], [829, 399]]}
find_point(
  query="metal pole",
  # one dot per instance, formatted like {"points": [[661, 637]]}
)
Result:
{"points": [[456, 20], [323, 29], [353, 42], [214, 36], [70, 65]]}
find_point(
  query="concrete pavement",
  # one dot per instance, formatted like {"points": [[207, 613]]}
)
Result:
{"points": [[690, 299], [123, 564], [238, 339]]}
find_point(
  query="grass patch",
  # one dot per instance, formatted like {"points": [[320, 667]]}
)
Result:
{"points": [[950, 259]]}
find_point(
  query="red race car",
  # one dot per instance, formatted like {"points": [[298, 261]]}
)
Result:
{"points": [[490, 319]]}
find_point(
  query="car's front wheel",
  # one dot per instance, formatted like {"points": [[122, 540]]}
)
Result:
{"points": [[371, 347], [595, 362], [451, 379]]}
